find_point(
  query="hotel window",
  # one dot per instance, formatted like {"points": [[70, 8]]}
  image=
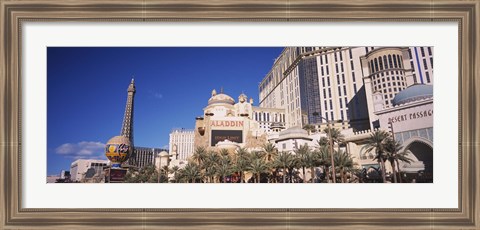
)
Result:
{"points": [[326, 116], [335, 56], [422, 51], [343, 78], [325, 102], [351, 64], [428, 77], [326, 60], [346, 102], [338, 79], [390, 90], [345, 90], [429, 51], [341, 66], [328, 81], [339, 91], [383, 80], [331, 105], [431, 62], [400, 61], [332, 115], [411, 64], [342, 118], [385, 96], [336, 67], [366, 49], [381, 63], [327, 70], [329, 92], [355, 88], [394, 83], [321, 60], [323, 82], [409, 53], [384, 91], [350, 52], [371, 67], [353, 76], [388, 78], [322, 70], [395, 61], [425, 64], [389, 84], [324, 93], [376, 65], [341, 56], [385, 61], [341, 103]]}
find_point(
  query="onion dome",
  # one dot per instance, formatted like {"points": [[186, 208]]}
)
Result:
{"points": [[118, 149], [413, 93], [221, 98]]}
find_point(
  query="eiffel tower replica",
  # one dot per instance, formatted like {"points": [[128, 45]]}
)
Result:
{"points": [[120, 148], [127, 124]]}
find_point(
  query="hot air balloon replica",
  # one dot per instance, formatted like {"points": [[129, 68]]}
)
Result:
{"points": [[119, 148]]}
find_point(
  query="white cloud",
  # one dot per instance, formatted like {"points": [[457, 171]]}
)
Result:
{"points": [[84, 149]]}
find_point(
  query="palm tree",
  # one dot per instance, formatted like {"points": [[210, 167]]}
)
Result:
{"points": [[199, 154], [242, 162], [270, 151], [224, 170], [257, 167], [322, 142], [377, 142], [223, 152], [284, 161], [191, 172], [312, 161], [210, 161], [310, 128], [345, 163], [301, 154], [393, 155]]}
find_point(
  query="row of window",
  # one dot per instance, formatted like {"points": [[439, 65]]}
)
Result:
{"points": [[386, 62]]}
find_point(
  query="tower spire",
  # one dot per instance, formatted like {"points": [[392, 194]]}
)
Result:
{"points": [[127, 124]]}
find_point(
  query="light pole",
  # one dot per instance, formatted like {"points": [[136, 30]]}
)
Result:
{"points": [[331, 144], [396, 160]]}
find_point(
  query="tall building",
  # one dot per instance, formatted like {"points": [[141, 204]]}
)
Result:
{"points": [[79, 168], [144, 156], [182, 140], [319, 84]]}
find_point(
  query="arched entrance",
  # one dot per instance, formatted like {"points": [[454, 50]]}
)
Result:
{"points": [[422, 155]]}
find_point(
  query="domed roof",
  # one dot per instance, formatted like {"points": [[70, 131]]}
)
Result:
{"points": [[221, 98], [295, 132], [413, 93], [118, 140]]}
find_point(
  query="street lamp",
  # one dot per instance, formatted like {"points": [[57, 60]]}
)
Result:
{"points": [[395, 152], [331, 144]]}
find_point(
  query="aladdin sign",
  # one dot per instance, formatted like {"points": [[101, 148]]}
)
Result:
{"points": [[411, 116], [220, 123]]}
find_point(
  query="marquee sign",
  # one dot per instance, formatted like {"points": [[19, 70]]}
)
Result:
{"points": [[221, 135]]}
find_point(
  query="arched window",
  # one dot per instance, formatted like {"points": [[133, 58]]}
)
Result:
{"points": [[385, 61], [400, 61], [376, 65], [395, 61], [381, 63], [371, 67], [390, 61]]}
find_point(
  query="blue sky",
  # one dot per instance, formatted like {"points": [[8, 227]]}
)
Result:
{"points": [[87, 91]]}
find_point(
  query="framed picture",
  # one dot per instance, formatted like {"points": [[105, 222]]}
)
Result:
{"points": [[48, 45]]}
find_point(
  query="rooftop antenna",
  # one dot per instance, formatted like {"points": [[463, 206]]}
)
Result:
{"points": [[221, 89]]}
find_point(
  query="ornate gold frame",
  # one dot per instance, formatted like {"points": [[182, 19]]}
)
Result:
{"points": [[14, 12]]}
